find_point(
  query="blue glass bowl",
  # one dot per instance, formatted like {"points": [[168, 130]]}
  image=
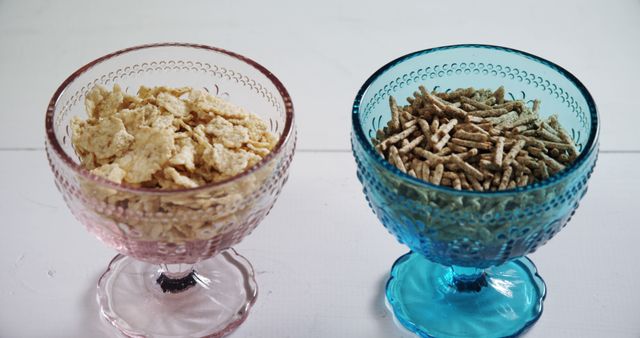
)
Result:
{"points": [[466, 274]]}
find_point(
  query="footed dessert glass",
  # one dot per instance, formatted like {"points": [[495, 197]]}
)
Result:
{"points": [[466, 274], [176, 274]]}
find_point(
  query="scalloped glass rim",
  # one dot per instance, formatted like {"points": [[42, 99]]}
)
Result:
{"points": [[53, 141], [590, 147]]}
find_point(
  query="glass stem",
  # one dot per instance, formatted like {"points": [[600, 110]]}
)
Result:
{"points": [[175, 278], [465, 279]]}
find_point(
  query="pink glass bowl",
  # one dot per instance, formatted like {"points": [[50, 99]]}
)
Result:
{"points": [[180, 285]]}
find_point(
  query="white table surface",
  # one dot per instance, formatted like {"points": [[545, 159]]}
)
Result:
{"points": [[321, 256]]}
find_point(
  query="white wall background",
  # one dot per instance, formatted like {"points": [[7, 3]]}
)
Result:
{"points": [[321, 256]]}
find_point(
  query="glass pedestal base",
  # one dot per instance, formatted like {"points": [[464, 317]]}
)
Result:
{"points": [[211, 300], [431, 301]]}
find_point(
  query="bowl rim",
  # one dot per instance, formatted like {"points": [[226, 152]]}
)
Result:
{"points": [[287, 132], [591, 145]]}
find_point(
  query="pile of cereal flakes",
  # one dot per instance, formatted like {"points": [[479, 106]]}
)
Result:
{"points": [[167, 138]]}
